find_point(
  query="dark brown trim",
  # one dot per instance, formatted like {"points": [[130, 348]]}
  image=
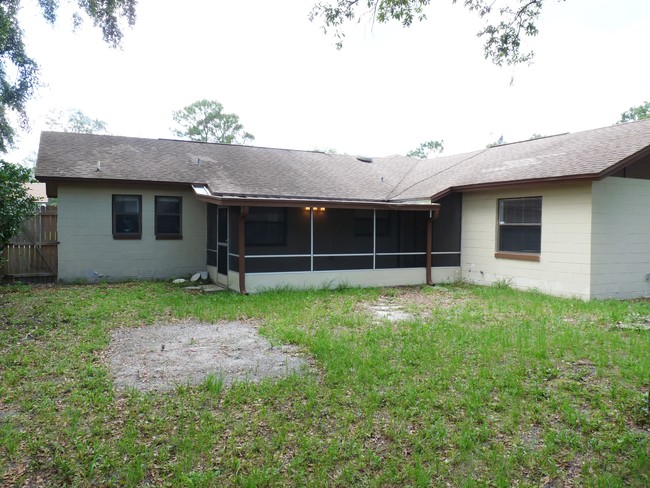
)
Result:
{"points": [[169, 237], [429, 249], [241, 245], [127, 237], [506, 185], [516, 255]]}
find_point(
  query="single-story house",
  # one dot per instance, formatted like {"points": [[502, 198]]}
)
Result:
{"points": [[568, 215]]}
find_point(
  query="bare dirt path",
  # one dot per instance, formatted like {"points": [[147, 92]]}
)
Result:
{"points": [[160, 357]]}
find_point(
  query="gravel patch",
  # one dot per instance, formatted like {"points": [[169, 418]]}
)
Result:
{"points": [[160, 357]]}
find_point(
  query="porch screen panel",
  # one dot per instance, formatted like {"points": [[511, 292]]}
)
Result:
{"points": [[233, 234], [211, 258], [401, 231], [401, 261], [223, 260], [277, 231], [277, 264], [343, 231], [331, 263], [446, 232], [222, 241]]}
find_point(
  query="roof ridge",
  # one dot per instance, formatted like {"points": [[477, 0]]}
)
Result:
{"points": [[312, 151], [478, 153], [532, 139], [415, 163]]}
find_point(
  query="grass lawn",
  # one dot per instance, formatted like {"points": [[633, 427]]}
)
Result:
{"points": [[483, 387]]}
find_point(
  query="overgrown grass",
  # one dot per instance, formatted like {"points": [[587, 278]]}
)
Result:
{"points": [[483, 387]]}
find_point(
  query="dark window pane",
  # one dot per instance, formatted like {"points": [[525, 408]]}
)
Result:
{"points": [[520, 210], [326, 263], [520, 238], [127, 205], [168, 224], [168, 205], [127, 224], [211, 258]]}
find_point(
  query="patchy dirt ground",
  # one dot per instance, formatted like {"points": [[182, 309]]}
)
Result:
{"points": [[160, 357]]}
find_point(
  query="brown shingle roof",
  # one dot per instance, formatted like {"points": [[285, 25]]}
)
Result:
{"points": [[256, 171], [226, 169], [585, 154]]}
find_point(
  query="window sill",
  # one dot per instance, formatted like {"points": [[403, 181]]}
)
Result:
{"points": [[127, 236], [517, 255], [169, 237]]}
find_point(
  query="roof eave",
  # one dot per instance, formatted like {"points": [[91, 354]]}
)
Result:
{"points": [[252, 201], [496, 185], [625, 162]]}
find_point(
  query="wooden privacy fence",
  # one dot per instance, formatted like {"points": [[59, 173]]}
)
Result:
{"points": [[32, 254]]}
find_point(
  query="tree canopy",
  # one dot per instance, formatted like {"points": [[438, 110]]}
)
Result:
{"points": [[16, 204], [205, 121], [507, 22], [635, 113], [74, 120], [425, 149], [19, 72]]}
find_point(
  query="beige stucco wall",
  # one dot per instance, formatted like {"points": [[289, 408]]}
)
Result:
{"points": [[621, 238], [87, 250], [565, 263]]}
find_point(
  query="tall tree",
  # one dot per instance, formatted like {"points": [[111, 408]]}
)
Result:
{"points": [[205, 121], [507, 21], [19, 72], [425, 149], [74, 120], [635, 113], [16, 204]]}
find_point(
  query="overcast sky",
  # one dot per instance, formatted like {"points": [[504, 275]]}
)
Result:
{"points": [[385, 92]]}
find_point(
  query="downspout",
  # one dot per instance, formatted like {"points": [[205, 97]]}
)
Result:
{"points": [[242, 250], [429, 247]]}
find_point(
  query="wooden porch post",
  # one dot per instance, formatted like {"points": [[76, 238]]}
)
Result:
{"points": [[242, 250]]}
